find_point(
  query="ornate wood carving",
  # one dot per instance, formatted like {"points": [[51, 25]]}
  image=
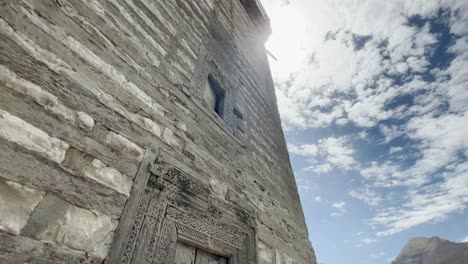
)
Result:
{"points": [[166, 248], [132, 218], [168, 205]]}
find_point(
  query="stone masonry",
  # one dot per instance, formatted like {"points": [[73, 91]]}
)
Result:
{"points": [[132, 131]]}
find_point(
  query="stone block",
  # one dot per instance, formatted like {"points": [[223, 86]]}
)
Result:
{"points": [[282, 258], [124, 146], [173, 140], [266, 254], [108, 176], [150, 126], [17, 202], [66, 225], [85, 121], [32, 138], [219, 189]]}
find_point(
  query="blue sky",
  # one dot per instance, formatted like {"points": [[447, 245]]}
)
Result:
{"points": [[373, 97]]}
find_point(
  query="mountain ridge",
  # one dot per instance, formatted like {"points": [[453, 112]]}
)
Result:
{"points": [[434, 250]]}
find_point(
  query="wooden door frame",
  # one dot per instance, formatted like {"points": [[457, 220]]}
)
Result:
{"points": [[167, 205]]}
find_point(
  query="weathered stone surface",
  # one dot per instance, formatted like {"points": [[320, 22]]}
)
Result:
{"points": [[16, 205], [24, 167], [219, 189], [124, 146], [17, 249], [63, 224], [16, 130], [283, 258], [173, 139], [88, 85], [108, 176], [265, 254], [85, 121]]}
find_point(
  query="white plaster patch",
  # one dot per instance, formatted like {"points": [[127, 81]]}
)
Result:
{"points": [[124, 146], [108, 176], [16, 205], [32, 138]]}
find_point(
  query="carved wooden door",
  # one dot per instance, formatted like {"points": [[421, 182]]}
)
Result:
{"points": [[187, 254], [171, 218]]}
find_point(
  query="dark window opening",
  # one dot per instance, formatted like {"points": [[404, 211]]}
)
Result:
{"points": [[214, 96]]}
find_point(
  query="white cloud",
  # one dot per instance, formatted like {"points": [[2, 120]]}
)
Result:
{"points": [[383, 174], [305, 184], [394, 150], [369, 240], [307, 150], [367, 195], [378, 255], [443, 148], [338, 152], [325, 78], [339, 205], [318, 199], [465, 239], [366, 241], [327, 154], [320, 169], [428, 203], [340, 208]]}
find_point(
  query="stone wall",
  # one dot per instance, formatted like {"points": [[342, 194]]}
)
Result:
{"points": [[86, 86]]}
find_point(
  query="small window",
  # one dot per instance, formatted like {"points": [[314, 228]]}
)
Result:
{"points": [[214, 96]]}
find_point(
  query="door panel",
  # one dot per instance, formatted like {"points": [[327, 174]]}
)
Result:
{"points": [[185, 254], [204, 257]]}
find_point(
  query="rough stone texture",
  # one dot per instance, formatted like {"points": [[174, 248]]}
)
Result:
{"points": [[16, 130], [16, 205], [61, 223], [433, 251], [17, 249], [85, 83], [108, 176], [265, 254], [124, 146], [85, 121]]}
